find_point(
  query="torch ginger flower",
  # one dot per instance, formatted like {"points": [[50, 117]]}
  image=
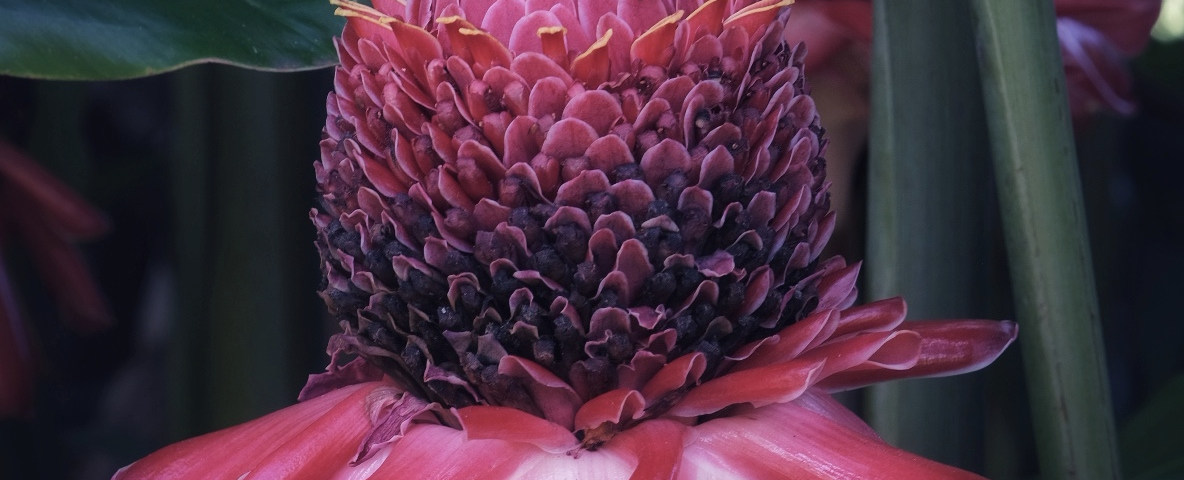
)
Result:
{"points": [[581, 240]]}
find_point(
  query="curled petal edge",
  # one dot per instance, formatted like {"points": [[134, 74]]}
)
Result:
{"points": [[948, 347]]}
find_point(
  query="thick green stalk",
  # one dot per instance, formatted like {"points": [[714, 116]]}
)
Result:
{"points": [[189, 181], [927, 190], [1044, 221]]}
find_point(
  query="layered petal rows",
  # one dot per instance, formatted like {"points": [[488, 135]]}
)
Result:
{"points": [[769, 417], [532, 206]]}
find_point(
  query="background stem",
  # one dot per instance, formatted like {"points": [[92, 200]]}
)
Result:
{"points": [[249, 325], [928, 211], [1044, 224]]}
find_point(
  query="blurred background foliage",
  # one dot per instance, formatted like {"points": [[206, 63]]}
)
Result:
{"points": [[205, 176]]}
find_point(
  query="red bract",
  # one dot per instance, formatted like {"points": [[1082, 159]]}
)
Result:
{"points": [[581, 240], [49, 217]]}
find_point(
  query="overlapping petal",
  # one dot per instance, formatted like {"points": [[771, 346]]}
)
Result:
{"points": [[527, 199]]}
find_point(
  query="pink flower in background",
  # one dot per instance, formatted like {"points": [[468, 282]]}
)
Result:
{"points": [[582, 240], [1097, 38], [48, 217], [16, 356]]}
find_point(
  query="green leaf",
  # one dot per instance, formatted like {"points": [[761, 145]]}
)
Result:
{"points": [[86, 40]]}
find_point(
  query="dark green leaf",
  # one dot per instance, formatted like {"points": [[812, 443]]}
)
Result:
{"points": [[86, 40]]}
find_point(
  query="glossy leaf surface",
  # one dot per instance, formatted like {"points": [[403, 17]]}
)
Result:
{"points": [[77, 40]]}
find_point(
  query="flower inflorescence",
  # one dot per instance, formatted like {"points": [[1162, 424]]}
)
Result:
{"points": [[594, 209]]}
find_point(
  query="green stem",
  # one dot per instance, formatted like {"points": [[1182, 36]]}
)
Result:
{"points": [[189, 181], [249, 328], [254, 298], [927, 201], [1044, 221]]}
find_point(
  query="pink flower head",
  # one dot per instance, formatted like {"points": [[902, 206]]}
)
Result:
{"points": [[582, 240]]}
